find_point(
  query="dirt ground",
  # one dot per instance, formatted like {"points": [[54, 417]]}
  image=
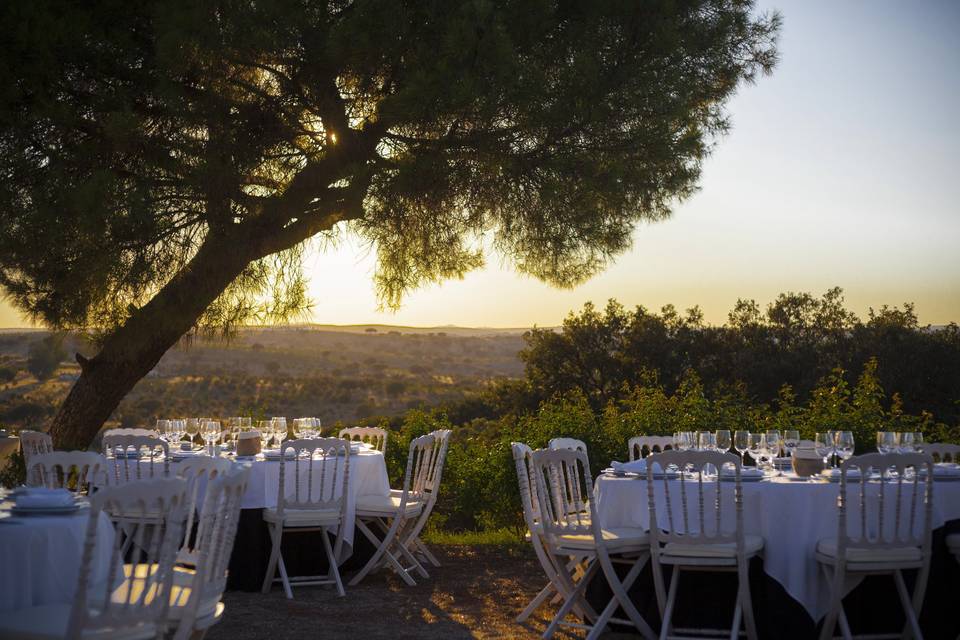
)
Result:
{"points": [[477, 593]]}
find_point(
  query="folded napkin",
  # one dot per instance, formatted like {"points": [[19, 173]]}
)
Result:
{"points": [[44, 499], [188, 454], [835, 473], [639, 466], [745, 472]]}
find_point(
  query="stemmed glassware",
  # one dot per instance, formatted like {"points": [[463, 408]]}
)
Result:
{"points": [[907, 442], [265, 427], [192, 428], [683, 440], [722, 440], [888, 441], [791, 440], [845, 445], [741, 442], [211, 433], [756, 445], [279, 429], [771, 440], [823, 444]]}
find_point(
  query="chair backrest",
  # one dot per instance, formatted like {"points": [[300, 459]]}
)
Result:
{"points": [[73, 470], [567, 443], [523, 460], [198, 471], [219, 517], [31, 444], [131, 431], [417, 477], [375, 436], [142, 600], [942, 452], [652, 444], [321, 474], [563, 485], [124, 453], [876, 514], [689, 510]]}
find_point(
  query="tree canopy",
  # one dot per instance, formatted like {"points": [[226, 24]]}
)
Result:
{"points": [[170, 159]]}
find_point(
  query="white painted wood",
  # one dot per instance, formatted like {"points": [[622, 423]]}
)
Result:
{"points": [[124, 466], [73, 470], [375, 436], [651, 444]]}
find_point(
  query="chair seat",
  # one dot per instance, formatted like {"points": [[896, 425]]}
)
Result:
{"points": [[50, 621], [387, 505], [183, 579], [827, 549], [752, 545], [617, 539], [304, 517]]}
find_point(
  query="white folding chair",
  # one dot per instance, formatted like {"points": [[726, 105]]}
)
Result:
{"points": [[138, 606], [396, 513], [313, 499], [868, 543], [73, 470], [431, 489], [694, 536], [135, 457], [131, 431], [195, 598], [198, 471], [570, 529], [33, 443], [555, 588], [941, 452], [567, 443], [375, 436], [651, 444]]}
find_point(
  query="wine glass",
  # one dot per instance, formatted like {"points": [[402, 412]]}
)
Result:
{"points": [[791, 440], [917, 441], [823, 444], [280, 429], [265, 427], [907, 442], [706, 441], [192, 429], [211, 433], [771, 441], [845, 445], [888, 441], [755, 446], [163, 429], [741, 442], [722, 440]]}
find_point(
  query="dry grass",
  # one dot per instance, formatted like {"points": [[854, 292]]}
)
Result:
{"points": [[477, 593]]}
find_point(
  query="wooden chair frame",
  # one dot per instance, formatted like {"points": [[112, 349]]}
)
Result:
{"points": [[566, 513], [653, 444], [837, 567], [328, 501], [371, 435], [76, 471], [683, 532]]}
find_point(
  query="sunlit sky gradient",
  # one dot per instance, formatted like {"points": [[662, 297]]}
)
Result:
{"points": [[843, 168]]}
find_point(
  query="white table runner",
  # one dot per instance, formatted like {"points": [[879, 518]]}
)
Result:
{"points": [[791, 517]]}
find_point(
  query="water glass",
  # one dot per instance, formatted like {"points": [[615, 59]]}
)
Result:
{"points": [[755, 446], [773, 442], [823, 444], [706, 441], [211, 433], [192, 428], [280, 429]]}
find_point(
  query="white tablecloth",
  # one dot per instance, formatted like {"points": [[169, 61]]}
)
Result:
{"points": [[40, 557], [791, 517], [368, 477]]}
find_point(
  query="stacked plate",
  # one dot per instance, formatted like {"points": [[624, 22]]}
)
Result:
{"points": [[944, 472], [747, 474]]}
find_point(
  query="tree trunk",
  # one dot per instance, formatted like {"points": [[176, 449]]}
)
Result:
{"points": [[136, 347]]}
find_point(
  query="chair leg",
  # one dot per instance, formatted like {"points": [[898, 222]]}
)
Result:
{"points": [[285, 579], [432, 559], [334, 569], [668, 609], [383, 552], [907, 603], [836, 599], [737, 616], [276, 533], [575, 594], [746, 600], [534, 604], [621, 597]]}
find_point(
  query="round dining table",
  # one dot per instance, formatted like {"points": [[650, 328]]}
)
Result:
{"points": [[791, 515], [40, 556]]}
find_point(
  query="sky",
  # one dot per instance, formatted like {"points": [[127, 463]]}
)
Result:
{"points": [[841, 169]]}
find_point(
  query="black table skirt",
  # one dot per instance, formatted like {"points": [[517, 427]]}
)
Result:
{"points": [[303, 553], [706, 600]]}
